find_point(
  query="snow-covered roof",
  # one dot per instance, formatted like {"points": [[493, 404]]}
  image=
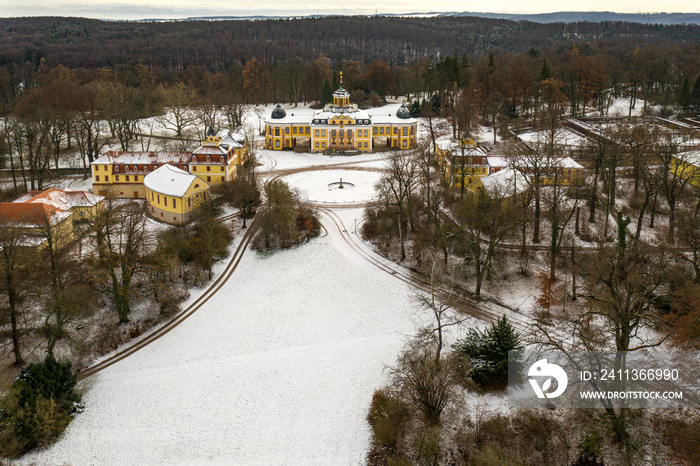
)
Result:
{"points": [[452, 145], [233, 141], [28, 214], [497, 161], [391, 119], [558, 162], [691, 157], [290, 118], [327, 115], [171, 181], [502, 184], [61, 199], [210, 150], [143, 158]]}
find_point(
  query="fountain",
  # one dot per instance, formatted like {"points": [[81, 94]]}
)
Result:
{"points": [[340, 185]]}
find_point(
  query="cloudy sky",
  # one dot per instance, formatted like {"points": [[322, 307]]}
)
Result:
{"points": [[134, 9]]}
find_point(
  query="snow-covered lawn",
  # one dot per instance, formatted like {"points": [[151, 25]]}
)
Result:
{"points": [[358, 186], [278, 367]]}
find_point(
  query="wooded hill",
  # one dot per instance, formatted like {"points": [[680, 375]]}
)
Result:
{"points": [[89, 43]]}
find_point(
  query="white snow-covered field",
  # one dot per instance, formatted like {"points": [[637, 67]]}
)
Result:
{"points": [[277, 368]]}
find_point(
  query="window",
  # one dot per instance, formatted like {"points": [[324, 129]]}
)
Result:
{"points": [[374, 131], [222, 168], [116, 168], [116, 178], [405, 130], [208, 159], [106, 178], [349, 134], [294, 130], [174, 203], [127, 177], [165, 201], [189, 202], [208, 179], [381, 130], [158, 201], [221, 159], [366, 133], [396, 130], [194, 168], [405, 143], [316, 133], [323, 132], [208, 168], [277, 143], [333, 134], [308, 130], [277, 131], [286, 130], [97, 177]]}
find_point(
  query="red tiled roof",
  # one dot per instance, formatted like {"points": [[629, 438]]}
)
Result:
{"points": [[29, 213]]}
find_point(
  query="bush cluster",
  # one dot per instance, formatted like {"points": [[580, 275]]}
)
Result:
{"points": [[38, 407], [285, 221]]}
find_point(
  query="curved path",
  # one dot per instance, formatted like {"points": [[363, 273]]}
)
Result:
{"points": [[133, 347]]}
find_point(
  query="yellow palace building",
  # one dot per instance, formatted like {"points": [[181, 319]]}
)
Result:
{"points": [[174, 195], [122, 173], [341, 126]]}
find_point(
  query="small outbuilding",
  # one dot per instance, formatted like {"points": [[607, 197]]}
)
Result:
{"points": [[174, 195]]}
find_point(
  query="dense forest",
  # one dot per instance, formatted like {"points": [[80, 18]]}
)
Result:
{"points": [[216, 45]]}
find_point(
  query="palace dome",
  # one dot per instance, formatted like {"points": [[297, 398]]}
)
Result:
{"points": [[403, 112], [278, 112]]}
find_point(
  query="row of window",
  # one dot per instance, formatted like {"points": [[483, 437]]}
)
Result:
{"points": [[194, 168], [146, 168], [301, 130]]}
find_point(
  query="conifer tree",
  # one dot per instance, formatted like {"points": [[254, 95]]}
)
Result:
{"points": [[326, 93]]}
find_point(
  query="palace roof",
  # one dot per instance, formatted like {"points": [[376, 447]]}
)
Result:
{"points": [[142, 158], [171, 181]]}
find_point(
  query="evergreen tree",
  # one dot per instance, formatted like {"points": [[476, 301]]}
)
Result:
{"points": [[545, 73], [487, 352], [326, 93], [335, 84]]}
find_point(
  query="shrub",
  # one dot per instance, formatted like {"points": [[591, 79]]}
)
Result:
{"points": [[38, 407], [388, 415], [487, 353], [426, 383]]}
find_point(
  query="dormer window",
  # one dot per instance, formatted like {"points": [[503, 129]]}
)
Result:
{"points": [[221, 159], [194, 158], [208, 159], [116, 168]]}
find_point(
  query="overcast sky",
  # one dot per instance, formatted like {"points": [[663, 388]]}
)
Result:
{"points": [[134, 9]]}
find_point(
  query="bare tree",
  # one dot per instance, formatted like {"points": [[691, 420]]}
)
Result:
{"points": [[439, 300], [16, 280], [396, 187], [122, 242], [485, 220]]}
